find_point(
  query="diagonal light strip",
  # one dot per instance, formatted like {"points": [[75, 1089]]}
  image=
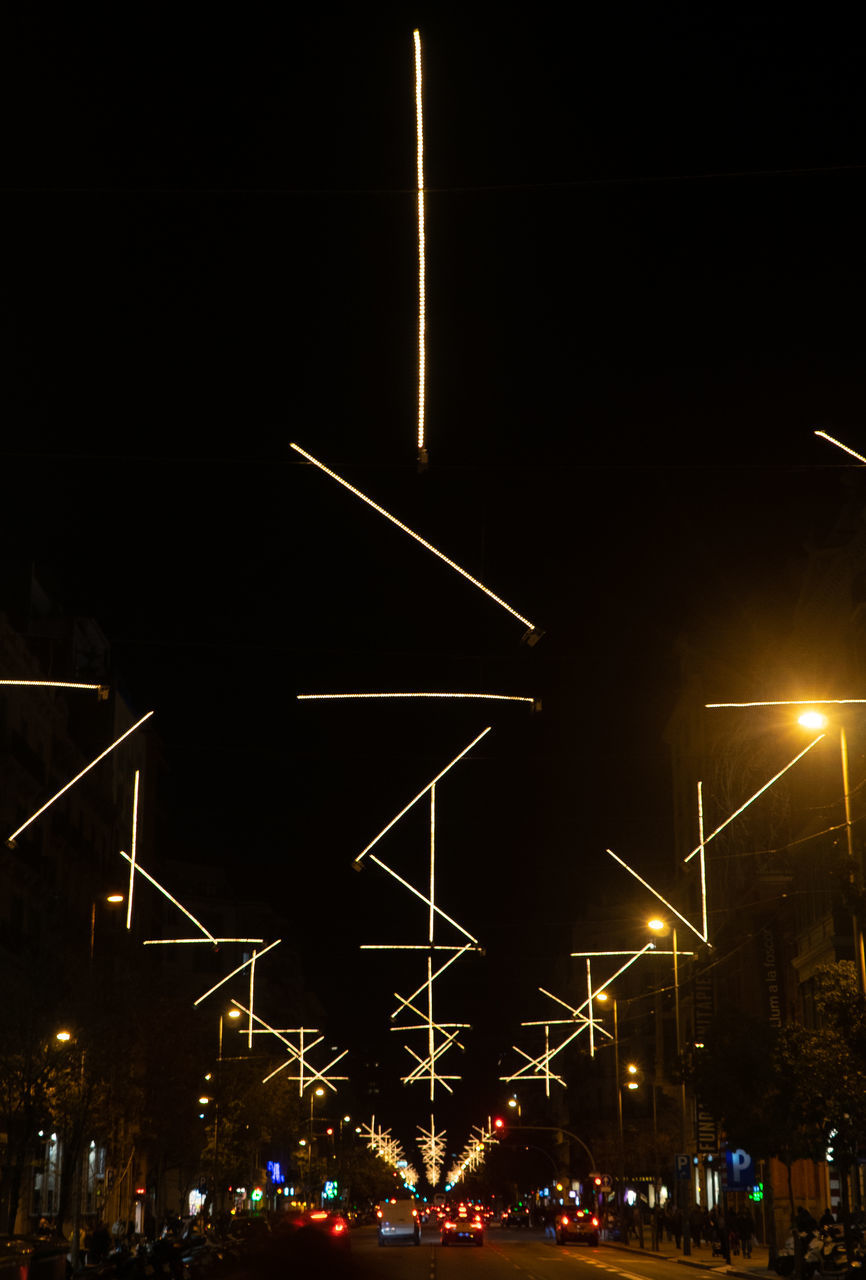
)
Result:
{"points": [[78, 776], [438, 972], [655, 894], [141, 871], [239, 969], [422, 793], [412, 534], [840, 445], [424, 899], [751, 799]]}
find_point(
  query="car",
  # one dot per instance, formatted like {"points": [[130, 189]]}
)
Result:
{"points": [[398, 1222], [516, 1215], [576, 1224], [464, 1226], [327, 1223]]}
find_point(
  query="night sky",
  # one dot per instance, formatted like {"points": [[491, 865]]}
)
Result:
{"points": [[645, 285]]}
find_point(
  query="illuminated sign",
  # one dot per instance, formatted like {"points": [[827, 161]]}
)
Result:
{"points": [[275, 1173]]}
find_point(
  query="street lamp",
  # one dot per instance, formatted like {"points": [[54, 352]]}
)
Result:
{"points": [[514, 1103], [660, 926], [813, 719]]}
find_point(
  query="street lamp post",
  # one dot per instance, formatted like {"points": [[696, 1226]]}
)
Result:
{"points": [[817, 720], [685, 1198]]}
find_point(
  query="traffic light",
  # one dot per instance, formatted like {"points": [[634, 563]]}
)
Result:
{"points": [[499, 1126]]}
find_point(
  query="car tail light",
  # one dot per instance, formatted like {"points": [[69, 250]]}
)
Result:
{"points": [[318, 1215], [564, 1219], [339, 1227], [595, 1222]]}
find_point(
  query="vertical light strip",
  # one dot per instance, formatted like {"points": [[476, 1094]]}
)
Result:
{"points": [[252, 995], [703, 859], [589, 1003], [422, 262], [432, 862], [132, 850]]}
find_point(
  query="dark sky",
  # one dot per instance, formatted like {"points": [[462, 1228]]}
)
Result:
{"points": [[645, 284]]}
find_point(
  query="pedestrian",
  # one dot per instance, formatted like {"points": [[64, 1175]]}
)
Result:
{"points": [[677, 1224], [637, 1222], [746, 1230], [696, 1223]]}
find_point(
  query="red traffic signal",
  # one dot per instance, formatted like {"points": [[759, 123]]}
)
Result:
{"points": [[499, 1124]]}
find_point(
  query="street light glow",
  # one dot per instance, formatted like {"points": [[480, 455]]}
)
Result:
{"points": [[417, 536], [813, 720]]}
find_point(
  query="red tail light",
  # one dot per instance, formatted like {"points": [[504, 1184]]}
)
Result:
{"points": [[564, 1219], [595, 1222]]}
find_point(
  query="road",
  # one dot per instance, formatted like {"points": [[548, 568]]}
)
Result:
{"points": [[505, 1255]]}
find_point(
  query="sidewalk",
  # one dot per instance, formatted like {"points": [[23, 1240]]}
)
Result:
{"points": [[702, 1256]]}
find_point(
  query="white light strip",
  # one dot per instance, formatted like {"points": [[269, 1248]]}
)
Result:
{"points": [[421, 793], [78, 777], [701, 843], [419, 894], [422, 263], [141, 871], [53, 684], [840, 445], [751, 799], [655, 894], [794, 702], [347, 697], [412, 534], [174, 942], [240, 967], [132, 853], [418, 946]]}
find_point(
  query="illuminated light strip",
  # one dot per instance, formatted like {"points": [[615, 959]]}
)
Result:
{"points": [[173, 942], [840, 445], [77, 778], [701, 843], [252, 998], [422, 262], [418, 946], [791, 702], [412, 534], [141, 871], [655, 894], [240, 967], [751, 799], [346, 697], [419, 894], [458, 953], [132, 854], [420, 794], [54, 684]]}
